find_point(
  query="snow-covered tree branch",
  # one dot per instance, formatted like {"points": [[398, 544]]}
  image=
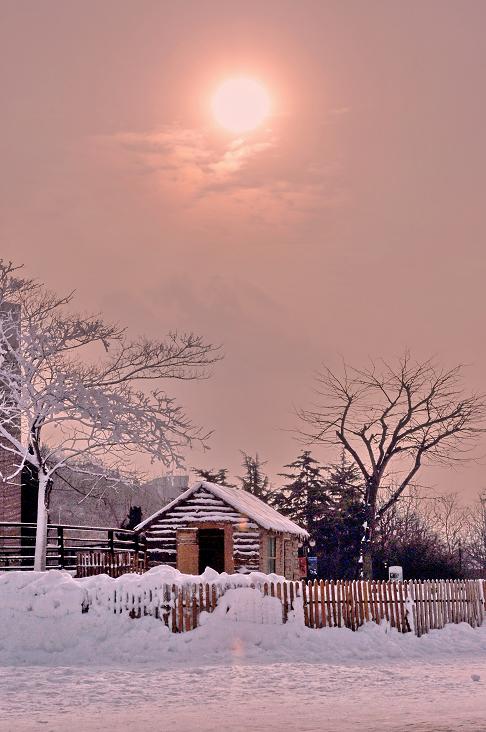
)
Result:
{"points": [[76, 391]]}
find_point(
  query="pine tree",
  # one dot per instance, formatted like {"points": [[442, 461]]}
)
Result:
{"points": [[344, 480], [220, 477], [254, 480], [304, 498], [340, 530]]}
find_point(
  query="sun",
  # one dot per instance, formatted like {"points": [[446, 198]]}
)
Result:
{"points": [[240, 105]]}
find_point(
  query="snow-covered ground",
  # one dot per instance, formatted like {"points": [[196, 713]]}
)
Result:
{"points": [[61, 669], [389, 696]]}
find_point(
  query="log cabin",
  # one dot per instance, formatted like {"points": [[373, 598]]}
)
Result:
{"points": [[227, 529]]}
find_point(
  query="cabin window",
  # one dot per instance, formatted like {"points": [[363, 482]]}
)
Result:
{"points": [[272, 555]]}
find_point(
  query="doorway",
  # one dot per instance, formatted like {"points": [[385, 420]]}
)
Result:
{"points": [[211, 549]]}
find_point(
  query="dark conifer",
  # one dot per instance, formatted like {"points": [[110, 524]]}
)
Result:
{"points": [[254, 479], [220, 477], [304, 497], [340, 530]]}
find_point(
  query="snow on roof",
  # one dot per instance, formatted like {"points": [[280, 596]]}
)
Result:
{"points": [[244, 502]]}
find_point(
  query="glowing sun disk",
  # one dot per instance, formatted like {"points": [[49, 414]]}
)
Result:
{"points": [[240, 105]]}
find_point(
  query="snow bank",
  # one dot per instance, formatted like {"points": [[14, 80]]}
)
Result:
{"points": [[244, 604], [56, 593], [44, 594], [41, 622]]}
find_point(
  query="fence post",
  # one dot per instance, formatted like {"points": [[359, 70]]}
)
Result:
{"points": [[136, 549], [304, 602], [60, 541], [111, 542]]}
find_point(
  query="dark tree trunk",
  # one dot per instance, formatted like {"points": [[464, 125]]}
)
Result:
{"points": [[369, 524]]}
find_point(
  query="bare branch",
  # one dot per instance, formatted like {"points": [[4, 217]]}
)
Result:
{"points": [[393, 419], [74, 390]]}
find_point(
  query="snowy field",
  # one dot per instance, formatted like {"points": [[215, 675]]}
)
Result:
{"points": [[388, 696], [247, 676], [63, 670]]}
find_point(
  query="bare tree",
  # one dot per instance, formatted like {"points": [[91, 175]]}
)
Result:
{"points": [[476, 537], [451, 522], [391, 420], [405, 535], [76, 393]]}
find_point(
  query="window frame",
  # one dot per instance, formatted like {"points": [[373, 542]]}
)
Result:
{"points": [[271, 555]]}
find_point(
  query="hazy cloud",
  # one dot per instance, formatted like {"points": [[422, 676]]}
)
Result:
{"points": [[278, 168], [192, 157]]}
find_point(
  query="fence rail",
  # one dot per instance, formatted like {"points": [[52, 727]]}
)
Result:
{"points": [[64, 543]]}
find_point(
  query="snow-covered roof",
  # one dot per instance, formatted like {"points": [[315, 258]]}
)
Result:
{"points": [[244, 502]]}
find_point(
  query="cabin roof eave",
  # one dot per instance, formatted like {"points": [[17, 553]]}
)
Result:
{"points": [[245, 503]]}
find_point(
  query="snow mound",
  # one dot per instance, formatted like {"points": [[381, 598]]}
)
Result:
{"points": [[42, 623], [244, 604], [44, 594], [56, 593]]}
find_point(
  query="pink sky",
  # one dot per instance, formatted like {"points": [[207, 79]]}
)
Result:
{"points": [[352, 224]]}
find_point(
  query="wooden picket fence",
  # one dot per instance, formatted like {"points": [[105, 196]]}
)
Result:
{"points": [[345, 604], [436, 603], [112, 563], [413, 606], [180, 607]]}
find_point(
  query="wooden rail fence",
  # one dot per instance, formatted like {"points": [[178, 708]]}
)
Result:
{"points": [[64, 542], [414, 606], [436, 603]]}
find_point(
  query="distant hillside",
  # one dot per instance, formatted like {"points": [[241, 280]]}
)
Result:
{"points": [[103, 505]]}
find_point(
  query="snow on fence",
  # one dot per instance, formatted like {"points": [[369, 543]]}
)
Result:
{"points": [[413, 606], [179, 607]]}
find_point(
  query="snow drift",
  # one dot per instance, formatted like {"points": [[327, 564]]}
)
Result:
{"points": [[41, 622]]}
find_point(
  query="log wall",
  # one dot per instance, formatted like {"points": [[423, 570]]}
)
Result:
{"points": [[202, 508]]}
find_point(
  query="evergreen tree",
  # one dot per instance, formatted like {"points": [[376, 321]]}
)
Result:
{"points": [[220, 477], [340, 530], [254, 480], [304, 498]]}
